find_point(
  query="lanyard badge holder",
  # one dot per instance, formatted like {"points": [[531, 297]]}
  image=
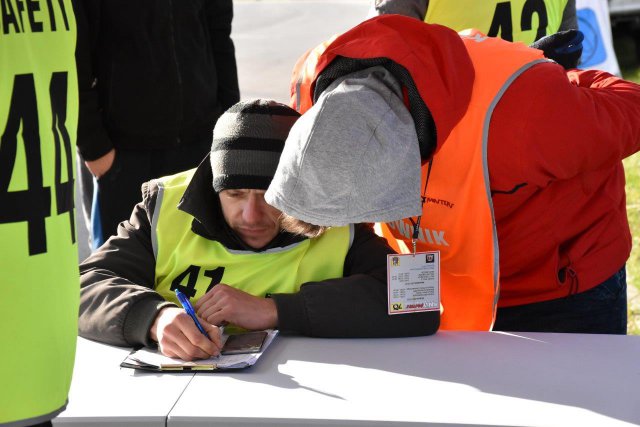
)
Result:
{"points": [[413, 280]]}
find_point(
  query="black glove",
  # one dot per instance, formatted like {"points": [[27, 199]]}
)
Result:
{"points": [[564, 47]]}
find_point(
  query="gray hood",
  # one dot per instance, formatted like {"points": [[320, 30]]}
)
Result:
{"points": [[353, 157]]}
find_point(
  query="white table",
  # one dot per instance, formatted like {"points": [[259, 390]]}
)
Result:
{"points": [[452, 378], [103, 394]]}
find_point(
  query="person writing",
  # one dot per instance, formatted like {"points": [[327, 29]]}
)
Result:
{"points": [[503, 161], [208, 233]]}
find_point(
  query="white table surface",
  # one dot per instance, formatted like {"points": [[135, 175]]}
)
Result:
{"points": [[452, 378], [103, 394]]}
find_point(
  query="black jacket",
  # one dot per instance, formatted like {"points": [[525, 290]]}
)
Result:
{"points": [[152, 73], [118, 303]]}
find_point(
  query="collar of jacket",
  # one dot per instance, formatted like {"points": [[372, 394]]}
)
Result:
{"points": [[202, 202]]}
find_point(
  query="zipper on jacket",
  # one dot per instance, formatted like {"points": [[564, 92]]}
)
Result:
{"points": [[178, 75]]}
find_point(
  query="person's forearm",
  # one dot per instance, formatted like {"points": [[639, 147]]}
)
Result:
{"points": [[117, 301], [553, 125], [93, 141], [116, 313], [228, 89], [355, 306], [223, 50]]}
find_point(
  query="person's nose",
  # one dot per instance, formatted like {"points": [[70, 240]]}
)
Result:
{"points": [[253, 212]]}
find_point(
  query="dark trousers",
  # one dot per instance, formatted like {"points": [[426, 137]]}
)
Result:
{"points": [[600, 310], [110, 200]]}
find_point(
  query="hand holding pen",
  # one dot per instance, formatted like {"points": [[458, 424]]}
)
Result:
{"points": [[186, 304], [174, 331]]}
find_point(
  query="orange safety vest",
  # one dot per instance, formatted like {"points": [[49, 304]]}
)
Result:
{"points": [[457, 217]]}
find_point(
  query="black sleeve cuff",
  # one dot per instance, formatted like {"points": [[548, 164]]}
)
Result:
{"points": [[140, 319], [292, 313]]}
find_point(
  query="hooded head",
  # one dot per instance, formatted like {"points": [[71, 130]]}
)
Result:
{"points": [[353, 157], [356, 154]]}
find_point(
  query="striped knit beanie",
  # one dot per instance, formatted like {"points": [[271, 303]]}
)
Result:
{"points": [[247, 142]]}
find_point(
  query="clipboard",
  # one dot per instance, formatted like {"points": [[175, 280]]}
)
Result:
{"points": [[152, 360]]}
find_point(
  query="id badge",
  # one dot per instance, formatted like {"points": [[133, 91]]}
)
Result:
{"points": [[413, 282]]}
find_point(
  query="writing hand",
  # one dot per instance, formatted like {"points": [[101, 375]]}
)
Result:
{"points": [[177, 335]]}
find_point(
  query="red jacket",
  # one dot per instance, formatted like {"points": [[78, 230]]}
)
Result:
{"points": [[556, 142], [555, 166]]}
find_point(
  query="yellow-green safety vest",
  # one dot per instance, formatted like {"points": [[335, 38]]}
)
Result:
{"points": [[39, 280], [194, 264], [514, 20]]}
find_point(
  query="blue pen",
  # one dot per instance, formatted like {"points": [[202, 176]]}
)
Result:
{"points": [[190, 311]]}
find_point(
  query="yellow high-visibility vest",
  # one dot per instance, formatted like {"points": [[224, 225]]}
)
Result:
{"points": [[514, 20], [39, 279], [194, 264]]}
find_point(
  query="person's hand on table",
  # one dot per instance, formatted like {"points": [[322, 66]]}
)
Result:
{"points": [[224, 304], [178, 336]]}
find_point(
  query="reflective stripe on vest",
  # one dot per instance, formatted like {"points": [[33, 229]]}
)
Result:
{"points": [[39, 281], [194, 264], [458, 215], [306, 66], [515, 20]]}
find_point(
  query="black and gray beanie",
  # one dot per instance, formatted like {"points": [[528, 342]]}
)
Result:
{"points": [[247, 142]]}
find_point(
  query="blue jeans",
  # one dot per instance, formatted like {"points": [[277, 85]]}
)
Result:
{"points": [[600, 310]]}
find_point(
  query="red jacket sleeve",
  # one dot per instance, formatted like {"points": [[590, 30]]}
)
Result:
{"points": [[553, 124]]}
